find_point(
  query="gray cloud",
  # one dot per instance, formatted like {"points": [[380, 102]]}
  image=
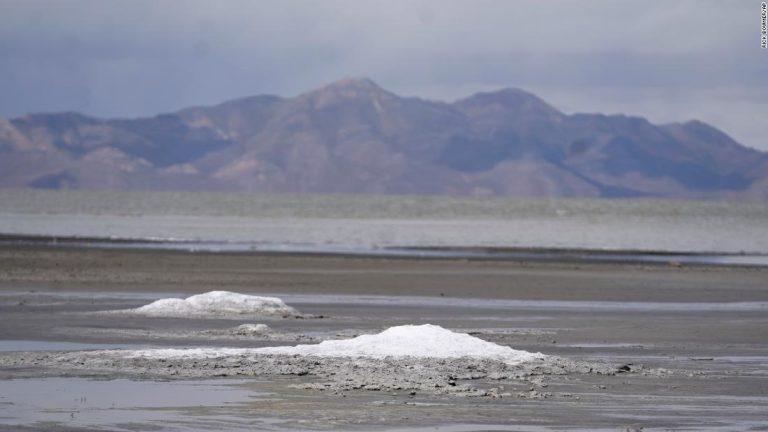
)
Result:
{"points": [[669, 61]]}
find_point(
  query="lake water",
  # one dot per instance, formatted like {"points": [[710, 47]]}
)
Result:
{"points": [[726, 232], [123, 405]]}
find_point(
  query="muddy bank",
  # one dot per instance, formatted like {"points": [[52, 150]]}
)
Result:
{"points": [[435, 376]]}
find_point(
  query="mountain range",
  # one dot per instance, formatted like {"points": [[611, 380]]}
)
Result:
{"points": [[353, 136]]}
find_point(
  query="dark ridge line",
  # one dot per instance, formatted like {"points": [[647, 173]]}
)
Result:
{"points": [[36, 239]]}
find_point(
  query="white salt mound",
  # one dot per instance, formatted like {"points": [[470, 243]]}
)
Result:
{"points": [[216, 304], [424, 341], [253, 329], [416, 341]]}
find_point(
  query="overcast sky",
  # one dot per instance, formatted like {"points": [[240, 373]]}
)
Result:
{"points": [[665, 60]]}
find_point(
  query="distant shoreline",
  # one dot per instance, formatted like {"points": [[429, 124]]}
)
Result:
{"points": [[480, 253]]}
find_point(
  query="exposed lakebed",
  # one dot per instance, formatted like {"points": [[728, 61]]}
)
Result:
{"points": [[605, 365]]}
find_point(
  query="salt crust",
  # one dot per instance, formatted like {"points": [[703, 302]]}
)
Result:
{"points": [[216, 304], [417, 341]]}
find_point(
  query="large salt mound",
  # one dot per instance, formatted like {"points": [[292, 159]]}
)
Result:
{"points": [[424, 341], [416, 341], [216, 304]]}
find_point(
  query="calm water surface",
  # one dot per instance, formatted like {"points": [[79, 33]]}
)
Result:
{"points": [[348, 222]]}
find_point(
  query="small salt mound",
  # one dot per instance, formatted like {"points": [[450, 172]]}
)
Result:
{"points": [[216, 304], [423, 341], [252, 329]]}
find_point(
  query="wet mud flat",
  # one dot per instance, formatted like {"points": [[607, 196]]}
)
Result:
{"points": [[672, 360]]}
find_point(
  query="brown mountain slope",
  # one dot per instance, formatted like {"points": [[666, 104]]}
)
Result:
{"points": [[354, 136]]}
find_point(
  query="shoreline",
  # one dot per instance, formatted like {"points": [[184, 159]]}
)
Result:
{"points": [[479, 253]]}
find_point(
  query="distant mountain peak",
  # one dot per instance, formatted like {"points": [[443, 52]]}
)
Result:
{"points": [[349, 87], [506, 94], [512, 99], [346, 91], [510, 91]]}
